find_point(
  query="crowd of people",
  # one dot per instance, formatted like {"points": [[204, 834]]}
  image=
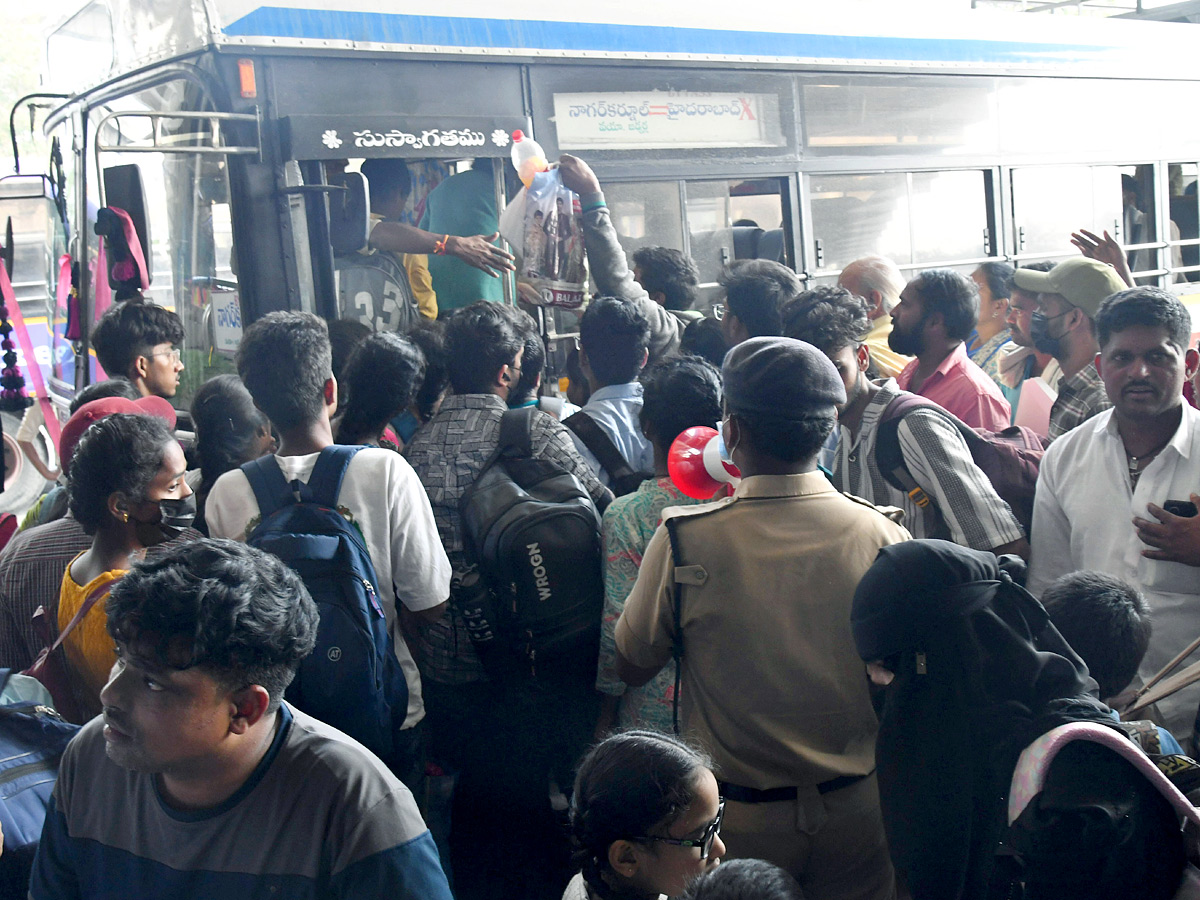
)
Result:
{"points": [[831, 676]]}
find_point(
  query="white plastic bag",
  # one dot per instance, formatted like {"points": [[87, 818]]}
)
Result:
{"points": [[544, 225]]}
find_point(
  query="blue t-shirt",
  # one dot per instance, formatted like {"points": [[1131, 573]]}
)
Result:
{"points": [[320, 817]]}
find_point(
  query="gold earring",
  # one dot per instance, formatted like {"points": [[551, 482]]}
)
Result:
{"points": [[124, 517]]}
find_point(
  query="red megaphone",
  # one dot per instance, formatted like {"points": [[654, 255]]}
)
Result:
{"points": [[695, 465]]}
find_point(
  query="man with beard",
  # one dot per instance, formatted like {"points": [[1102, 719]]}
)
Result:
{"points": [[938, 311], [965, 507], [1118, 493], [1068, 297], [1024, 361]]}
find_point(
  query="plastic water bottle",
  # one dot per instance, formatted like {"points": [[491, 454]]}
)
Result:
{"points": [[528, 157]]}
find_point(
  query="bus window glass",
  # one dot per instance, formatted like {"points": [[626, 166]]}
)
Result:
{"points": [[860, 215], [646, 214], [193, 269], [1185, 221], [896, 115], [1050, 202], [710, 227], [949, 216], [1139, 220]]}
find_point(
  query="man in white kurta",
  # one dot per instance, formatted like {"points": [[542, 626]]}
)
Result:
{"points": [[1123, 465]]}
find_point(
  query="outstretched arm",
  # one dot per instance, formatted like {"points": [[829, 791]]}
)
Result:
{"points": [[607, 258], [476, 250]]}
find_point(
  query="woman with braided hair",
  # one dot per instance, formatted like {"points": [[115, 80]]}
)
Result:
{"points": [[645, 818]]}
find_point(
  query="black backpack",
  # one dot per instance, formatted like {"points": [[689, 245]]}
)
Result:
{"points": [[625, 479], [352, 680], [535, 591]]}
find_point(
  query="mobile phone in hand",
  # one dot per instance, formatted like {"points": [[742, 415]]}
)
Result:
{"points": [[1184, 508]]}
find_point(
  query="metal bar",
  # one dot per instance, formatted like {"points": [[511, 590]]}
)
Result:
{"points": [[211, 119]]}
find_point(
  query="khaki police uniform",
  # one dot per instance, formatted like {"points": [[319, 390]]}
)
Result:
{"points": [[772, 685]]}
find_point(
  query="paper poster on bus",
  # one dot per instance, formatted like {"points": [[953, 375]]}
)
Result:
{"points": [[666, 119]]}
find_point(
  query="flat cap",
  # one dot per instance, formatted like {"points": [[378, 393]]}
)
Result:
{"points": [[780, 377], [1084, 282]]}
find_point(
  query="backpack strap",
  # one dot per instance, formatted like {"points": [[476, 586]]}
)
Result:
{"points": [[890, 458], [325, 483], [516, 434], [888, 455], [586, 428], [271, 490], [677, 616]]}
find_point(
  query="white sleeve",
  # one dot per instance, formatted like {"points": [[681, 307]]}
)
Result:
{"points": [[1050, 542], [420, 568], [230, 506]]}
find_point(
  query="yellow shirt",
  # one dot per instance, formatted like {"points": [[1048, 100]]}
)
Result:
{"points": [[421, 283], [89, 648], [887, 361]]}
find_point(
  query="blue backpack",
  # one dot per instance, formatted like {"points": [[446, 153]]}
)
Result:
{"points": [[352, 679], [32, 740]]}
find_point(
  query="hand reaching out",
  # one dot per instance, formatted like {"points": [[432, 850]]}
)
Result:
{"points": [[480, 251], [1105, 250]]}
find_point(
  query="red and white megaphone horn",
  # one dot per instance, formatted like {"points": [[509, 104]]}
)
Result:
{"points": [[695, 465]]}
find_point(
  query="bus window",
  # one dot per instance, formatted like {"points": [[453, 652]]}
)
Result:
{"points": [[732, 220], [1185, 222], [191, 260], [1050, 202], [949, 216], [859, 215], [1139, 222], [646, 214]]}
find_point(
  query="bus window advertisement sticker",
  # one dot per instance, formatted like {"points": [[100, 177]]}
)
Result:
{"points": [[227, 321], [662, 120]]}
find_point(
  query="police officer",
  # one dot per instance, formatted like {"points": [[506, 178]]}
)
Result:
{"points": [[771, 683]]}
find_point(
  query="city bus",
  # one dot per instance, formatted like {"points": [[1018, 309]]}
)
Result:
{"points": [[808, 136]]}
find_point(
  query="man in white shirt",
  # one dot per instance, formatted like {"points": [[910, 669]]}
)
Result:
{"points": [[614, 338], [285, 361], [1103, 486]]}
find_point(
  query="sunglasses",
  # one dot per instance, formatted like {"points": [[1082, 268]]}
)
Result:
{"points": [[704, 842]]}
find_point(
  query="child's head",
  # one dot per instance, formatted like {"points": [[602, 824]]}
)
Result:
{"points": [[1106, 621], [646, 815], [286, 363], [745, 879]]}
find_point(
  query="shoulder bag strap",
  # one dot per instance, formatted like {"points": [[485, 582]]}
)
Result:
{"points": [[677, 616], [84, 609], [600, 444]]}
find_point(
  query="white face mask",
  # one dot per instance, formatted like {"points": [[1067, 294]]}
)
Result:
{"points": [[726, 452]]}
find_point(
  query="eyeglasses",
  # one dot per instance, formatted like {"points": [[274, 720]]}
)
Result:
{"points": [[173, 353], [718, 311], [704, 842]]}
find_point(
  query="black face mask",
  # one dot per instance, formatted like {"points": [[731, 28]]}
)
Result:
{"points": [[178, 514], [173, 517], [1039, 332]]}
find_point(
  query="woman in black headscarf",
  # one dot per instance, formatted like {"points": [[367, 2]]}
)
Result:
{"points": [[978, 672]]}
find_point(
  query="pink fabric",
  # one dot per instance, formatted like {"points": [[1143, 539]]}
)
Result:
{"points": [[1030, 773], [32, 369], [135, 250], [961, 387]]}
